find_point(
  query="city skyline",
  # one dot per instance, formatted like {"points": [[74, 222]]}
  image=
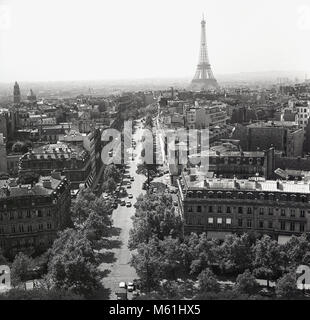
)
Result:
{"points": [[54, 41]]}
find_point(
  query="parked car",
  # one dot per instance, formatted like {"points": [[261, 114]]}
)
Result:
{"points": [[132, 179], [175, 203], [130, 196], [128, 186], [128, 204], [123, 203], [130, 287], [122, 284]]}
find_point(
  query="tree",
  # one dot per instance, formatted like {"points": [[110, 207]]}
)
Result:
{"points": [[246, 283], [267, 257], [155, 215], [20, 269], [204, 252], [111, 172], [109, 185], [95, 227], [39, 294], [87, 203], [296, 250], [73, 264], [147, 262], [236, 253], [207, 282], [286, 287], [19, 147]]}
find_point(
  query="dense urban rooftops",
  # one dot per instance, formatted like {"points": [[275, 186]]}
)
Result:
{"points": [[46, 186]]}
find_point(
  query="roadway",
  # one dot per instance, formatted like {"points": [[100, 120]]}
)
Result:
{"points": [[118, 267]]}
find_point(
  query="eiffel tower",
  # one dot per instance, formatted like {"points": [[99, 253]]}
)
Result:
{"points": [[204, 78]]}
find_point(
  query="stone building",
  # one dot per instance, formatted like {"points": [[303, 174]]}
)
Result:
{"points": [[286, 137], [31, 215], [223, 206], [72, 161]]}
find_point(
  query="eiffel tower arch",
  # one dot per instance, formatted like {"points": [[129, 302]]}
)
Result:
{"points": [[204, 78]]}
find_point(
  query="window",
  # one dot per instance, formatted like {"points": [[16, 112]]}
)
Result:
{"points": [[302, 213], [48, 213], [283, 212], [270, 211], [21, 228], [239, 222], [282, 225], [228, 210], [1, 217], [261, 224], [261, 211], [11, 216], [249, 210], [39, 213], [210, 220], [240, 209], [20, 215], [228, 221], [270, 224], [210, 209], [49, 226], [249, 223], [219, 209], [292, 212], [28, 214], [219, 220], [13, 229], [40, 226], [292, 226], [190, 209], [30, 228], [198, 208], [301, 227]]}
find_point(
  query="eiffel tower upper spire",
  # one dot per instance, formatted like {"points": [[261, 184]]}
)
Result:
{"points": [[204, 78]]}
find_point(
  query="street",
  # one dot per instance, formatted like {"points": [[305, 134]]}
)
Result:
{"points": [[118, 268]]}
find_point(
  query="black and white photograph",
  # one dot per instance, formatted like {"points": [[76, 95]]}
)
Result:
{"points": [[155, 151]]}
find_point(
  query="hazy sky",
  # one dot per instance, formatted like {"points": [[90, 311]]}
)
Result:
{"points": [[102, 39]]}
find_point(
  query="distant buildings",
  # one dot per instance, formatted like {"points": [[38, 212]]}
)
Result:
{"points": [[31, 215], [16, 94], [73, 161], [286, 137]]}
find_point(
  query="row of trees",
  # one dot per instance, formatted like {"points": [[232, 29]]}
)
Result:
{"points": [[71, 264], [163, 254], [111, 177]]}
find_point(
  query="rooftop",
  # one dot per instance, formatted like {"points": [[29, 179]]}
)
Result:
{"points": [[251, 184], [46, 186]]}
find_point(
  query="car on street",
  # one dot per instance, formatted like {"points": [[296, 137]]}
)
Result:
{"points": [[132, 179], [130, 287], [175, 203], [123, 203], [130, 196], [128, 186], [128, 204], [122, 284]]}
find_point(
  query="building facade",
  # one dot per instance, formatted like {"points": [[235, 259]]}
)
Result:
{"points": [[31, 215], [72, 161], [223, 206]]}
